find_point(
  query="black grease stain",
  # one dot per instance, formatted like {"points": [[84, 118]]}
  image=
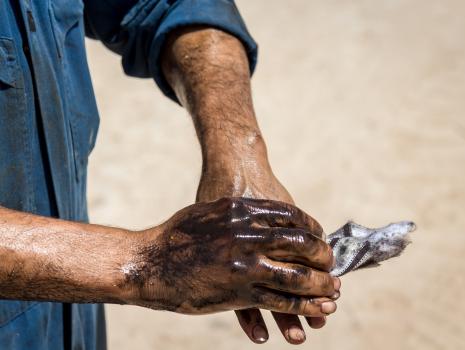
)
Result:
{"points": [[203, 260]]}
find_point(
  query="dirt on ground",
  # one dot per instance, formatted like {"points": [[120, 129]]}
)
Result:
{"points": [[362, 105]]}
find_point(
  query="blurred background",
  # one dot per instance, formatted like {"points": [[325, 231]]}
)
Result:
{"points": [[362, 105]]}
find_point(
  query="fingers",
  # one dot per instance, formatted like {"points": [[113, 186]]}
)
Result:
{"points": [[265, 298], [251, 321], [320, 322], [316, 322], [292, 245], [294, 278], [290, 327], [280, 214]]}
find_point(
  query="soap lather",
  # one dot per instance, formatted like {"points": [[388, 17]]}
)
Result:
{"points": [[355, 246]]}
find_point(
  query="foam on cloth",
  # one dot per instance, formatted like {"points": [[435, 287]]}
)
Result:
{"points": [[355, 246]]}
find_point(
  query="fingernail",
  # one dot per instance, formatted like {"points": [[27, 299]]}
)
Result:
{"points": [[328, 307], [296, 334], [260, 334], [336, 295]]}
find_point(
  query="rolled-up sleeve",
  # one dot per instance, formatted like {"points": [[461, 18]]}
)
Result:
{"points": [[137, 29]]}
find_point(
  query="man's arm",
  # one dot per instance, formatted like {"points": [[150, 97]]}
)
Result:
{"points": [[172, 266], [55, 260], [209, 71], [138, 30]]}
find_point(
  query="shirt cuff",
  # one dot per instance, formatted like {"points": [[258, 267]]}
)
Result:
{"points": [[219, 14]]}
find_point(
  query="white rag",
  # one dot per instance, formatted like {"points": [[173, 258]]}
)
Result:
{"points": [[355, 246]]}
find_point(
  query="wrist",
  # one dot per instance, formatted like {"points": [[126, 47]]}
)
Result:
{"points": [[139, 280], [120, 287], [229, 165]]}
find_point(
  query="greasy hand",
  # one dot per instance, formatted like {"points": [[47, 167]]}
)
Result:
{"points": [[255, 180], [227, 255]]}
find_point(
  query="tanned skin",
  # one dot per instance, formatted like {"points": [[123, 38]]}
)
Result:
{"points": [[233, 253], [216, 255], [209, 71]]}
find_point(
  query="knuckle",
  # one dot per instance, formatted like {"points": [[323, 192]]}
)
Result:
{"points": [[289, 304], [319, 286], [264, 300], [327, 284], [313, 282], [308, 239], [308, 275], [304, 306], [294, 239], [282, 280], [316, 228], [299, 278]]}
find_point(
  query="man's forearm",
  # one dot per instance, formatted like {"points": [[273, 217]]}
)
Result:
{"points": [[48, 259], [209, 71]]}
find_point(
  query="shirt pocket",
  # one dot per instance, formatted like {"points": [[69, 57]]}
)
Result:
{"points": [[9, 78], [14, 140], [10, 309]]}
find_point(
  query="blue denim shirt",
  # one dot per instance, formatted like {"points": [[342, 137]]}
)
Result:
{"points": [[49, 122]]}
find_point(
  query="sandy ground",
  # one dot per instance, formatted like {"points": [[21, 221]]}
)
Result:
{"points": [[362, 104]]}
